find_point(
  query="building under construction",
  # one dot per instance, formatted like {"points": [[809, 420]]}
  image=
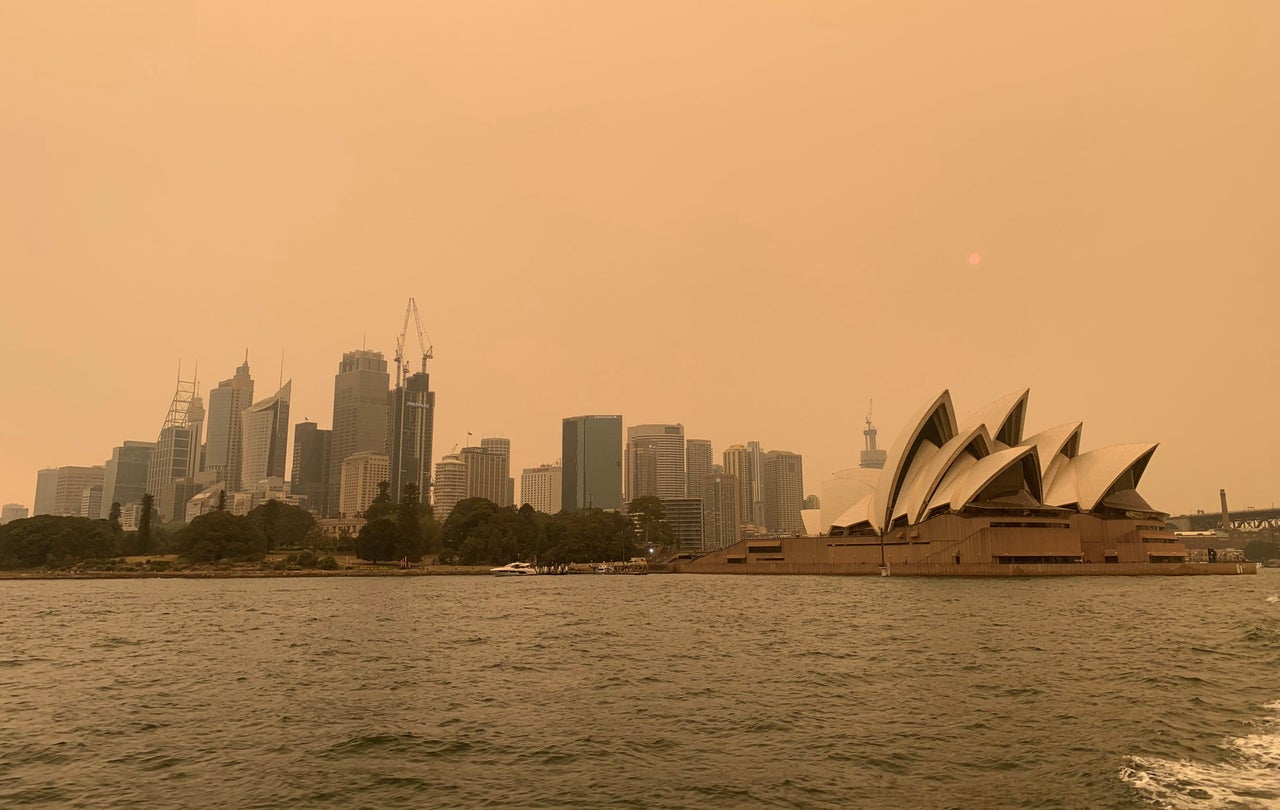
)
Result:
{"points": [[412, 404]]}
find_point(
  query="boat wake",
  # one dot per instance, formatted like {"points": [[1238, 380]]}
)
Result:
{"points": [[1248, 776]]}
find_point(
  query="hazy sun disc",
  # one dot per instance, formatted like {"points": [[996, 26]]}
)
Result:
{"points": [[975, 258]]}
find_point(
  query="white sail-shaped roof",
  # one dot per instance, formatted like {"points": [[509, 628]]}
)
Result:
{"points": [[1085, 479], [1064, 439], [915, 501], [936, 423], [934, 466], [955, 477], [989, 468], [1003, 417], [915, 480], [860, 512]]}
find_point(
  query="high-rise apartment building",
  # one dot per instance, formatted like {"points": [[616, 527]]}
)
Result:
{"points": [[486, 473], [413, 408], [361, 474], [655, 461], [746, 463], [642, 471], [309, 476], [170, 478], [361, 414], [224, 440], [450, 485], [46, 491], [502, 447], [72, 483], [592, 459], [783, 492], [540, 487], [684, 516], [125, 478], [91, 501], [697, 463], [264, 445], [11, 512], [720, 520]]}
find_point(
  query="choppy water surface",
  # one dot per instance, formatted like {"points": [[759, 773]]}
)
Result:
{"points": [[659, 691]]}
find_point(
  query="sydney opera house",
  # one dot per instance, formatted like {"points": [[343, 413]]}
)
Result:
{"points": [[980, 497]]}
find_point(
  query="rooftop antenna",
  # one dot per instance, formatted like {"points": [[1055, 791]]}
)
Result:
{"points": [[281, 385]]}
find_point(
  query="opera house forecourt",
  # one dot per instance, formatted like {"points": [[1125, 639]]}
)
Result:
{"points": [[978, 498]]}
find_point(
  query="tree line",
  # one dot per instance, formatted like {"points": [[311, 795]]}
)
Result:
{"points": [[477, 532], [54, 541]]}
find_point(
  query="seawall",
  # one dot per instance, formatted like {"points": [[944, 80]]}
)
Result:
{"points": [[977, 569]]}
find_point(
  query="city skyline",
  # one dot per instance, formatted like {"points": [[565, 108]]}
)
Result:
{"points": [[812, 485], [1075, 200]]}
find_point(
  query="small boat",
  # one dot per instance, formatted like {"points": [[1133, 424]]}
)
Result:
{"points": [[515, 569]]}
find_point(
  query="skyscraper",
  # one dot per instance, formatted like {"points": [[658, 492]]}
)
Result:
{"points": [[486, 473], [173, 464], [665, 444], [684, 516], [502, 447], [746, 463], [540, 487], [225, 438], [11, 512], [450, 485], [125, 479], [309, 476], [46, 491], [91, 501], [720, 520], [72, 483], [592, 458], [697, 463], [413, 408], [361, 413], [361, 474], [265, 426], [783, 492]]}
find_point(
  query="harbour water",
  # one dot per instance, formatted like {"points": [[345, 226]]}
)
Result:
{"points": [[658, 691]]}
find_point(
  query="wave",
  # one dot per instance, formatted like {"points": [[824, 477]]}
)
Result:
{"points": [[1248, 776]]}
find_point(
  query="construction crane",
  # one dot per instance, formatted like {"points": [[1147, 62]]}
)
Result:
{"points": [[402, 368]]}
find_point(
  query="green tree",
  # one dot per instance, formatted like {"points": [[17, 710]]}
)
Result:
{"points": [[377, 540], [113, 517], [382, 505], [55, 541], [650, 519], [284, 525], [465, 519], [221, 536], [222, 500], [410, 539], [588, 535], [144, 540]]}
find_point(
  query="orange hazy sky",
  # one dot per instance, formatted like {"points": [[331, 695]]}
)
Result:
{"points": [[748, 217]]}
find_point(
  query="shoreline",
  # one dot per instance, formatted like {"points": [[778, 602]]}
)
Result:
{"points": [[246, 573]]}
